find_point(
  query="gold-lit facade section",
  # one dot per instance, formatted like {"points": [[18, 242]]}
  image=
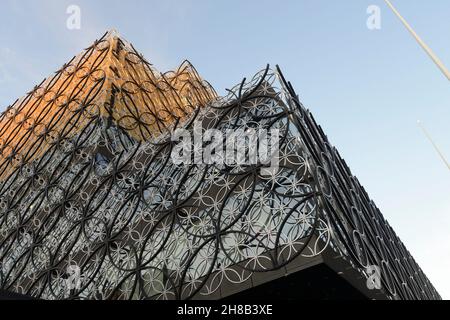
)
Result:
{"points": [[144, 101], [110, 82]]}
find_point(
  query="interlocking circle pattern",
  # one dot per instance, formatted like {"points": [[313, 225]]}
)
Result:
{"points": [[92, 205]]}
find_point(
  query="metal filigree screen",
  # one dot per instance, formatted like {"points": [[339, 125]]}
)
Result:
{"points": [[88, 188]]}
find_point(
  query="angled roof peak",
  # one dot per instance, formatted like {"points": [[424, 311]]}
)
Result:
{"points": [[108, 80], [113, 33]]}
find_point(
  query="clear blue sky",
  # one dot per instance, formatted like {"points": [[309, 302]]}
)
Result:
{"points": [[366, 88]]}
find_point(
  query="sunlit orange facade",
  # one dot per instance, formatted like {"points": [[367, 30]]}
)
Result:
{"points": [[110, 72]]}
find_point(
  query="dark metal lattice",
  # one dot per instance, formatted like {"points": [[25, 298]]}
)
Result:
{"points": [[87, 181]]}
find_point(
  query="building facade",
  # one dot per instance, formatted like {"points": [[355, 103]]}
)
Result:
{"points": [[93, 204]]}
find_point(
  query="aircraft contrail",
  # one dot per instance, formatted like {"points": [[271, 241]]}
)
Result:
{"points": [[427, 49], [433, 143]]}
